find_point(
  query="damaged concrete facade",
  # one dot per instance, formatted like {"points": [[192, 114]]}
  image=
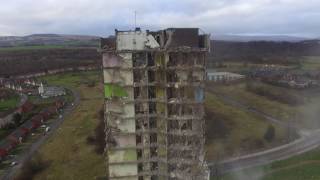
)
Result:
{"points": [[154, 95]]}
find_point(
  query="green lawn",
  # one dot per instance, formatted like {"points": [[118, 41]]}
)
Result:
{"points": [[10, 103], [67, 151], [310, 63]]}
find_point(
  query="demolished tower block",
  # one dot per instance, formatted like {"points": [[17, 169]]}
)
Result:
{"points": [[154, 95]]}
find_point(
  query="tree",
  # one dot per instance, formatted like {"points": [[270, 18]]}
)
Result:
{"points": [[270, 133], [17, 119]]}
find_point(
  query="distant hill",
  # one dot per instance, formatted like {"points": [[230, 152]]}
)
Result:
{"points": [[263, 51], [258, 49], [277, 38], [49, 39]]}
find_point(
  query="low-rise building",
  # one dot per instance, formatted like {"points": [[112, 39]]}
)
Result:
{"points": [[51, 91], [224, 76]]}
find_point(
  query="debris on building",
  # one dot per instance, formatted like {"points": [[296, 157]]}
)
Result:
{"points": [[154, 95]]}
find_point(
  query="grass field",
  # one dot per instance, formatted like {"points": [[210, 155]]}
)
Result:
{"points": [[239, 93], [35, 99], [310, 63], [18, 48], [67, 151], [305, 115], [71, 157], [36, 47], [10, 103], [241, 67], [241, 132]]}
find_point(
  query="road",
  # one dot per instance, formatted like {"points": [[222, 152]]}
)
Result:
{"points": [[308, 140], [23, 157]]}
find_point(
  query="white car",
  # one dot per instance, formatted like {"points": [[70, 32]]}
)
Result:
{"points": [[13, 163]]}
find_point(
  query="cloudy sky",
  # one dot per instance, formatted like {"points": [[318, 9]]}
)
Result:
{"points": [[101, 17]]}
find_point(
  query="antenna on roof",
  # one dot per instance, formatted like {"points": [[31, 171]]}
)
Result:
{"points": [[135, 19]]}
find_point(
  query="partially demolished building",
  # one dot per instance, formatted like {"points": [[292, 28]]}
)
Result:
{"points": [[154, 94]]}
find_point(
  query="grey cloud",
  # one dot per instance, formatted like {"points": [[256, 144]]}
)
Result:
{"points": [[101, 17]]}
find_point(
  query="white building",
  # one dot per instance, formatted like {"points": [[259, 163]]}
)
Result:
{"points": [[224, 76], [51, 91]]}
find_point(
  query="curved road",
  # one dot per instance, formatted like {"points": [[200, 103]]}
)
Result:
{"points": [[21, 158], [309, 140]]}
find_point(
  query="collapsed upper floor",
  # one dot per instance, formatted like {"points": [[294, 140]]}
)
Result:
{"points": [[168, 39]]}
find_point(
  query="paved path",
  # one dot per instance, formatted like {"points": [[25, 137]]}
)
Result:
{"points": [[23, 157]]}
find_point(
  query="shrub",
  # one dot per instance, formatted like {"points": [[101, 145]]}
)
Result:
{"points": [[99, 137], [32, 167], [217, 125], [270, 133], [275, 94], [16, 118]]}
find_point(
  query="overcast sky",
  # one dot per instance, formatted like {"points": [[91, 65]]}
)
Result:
{"points": [[101, 17]]}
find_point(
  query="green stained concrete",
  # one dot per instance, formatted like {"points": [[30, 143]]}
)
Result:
{"points": [[111, 90]]}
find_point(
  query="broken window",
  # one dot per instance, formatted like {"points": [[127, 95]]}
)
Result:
{"points": [[200, 59], [140, 168], [171, 61], [172, 76], [174, 109], [154, 166], [140, 92], [187, 60], [152, 107], [138, 139], [150, 59], [153, 138], [153, 123], [152, 92], [139, 76], [173, 124], [138, 126], [153, 177], [171, 93], [139, 59], [151, 76], [187, 109], [139, 153], [186, 125], [141, 108], [137, 92]]}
